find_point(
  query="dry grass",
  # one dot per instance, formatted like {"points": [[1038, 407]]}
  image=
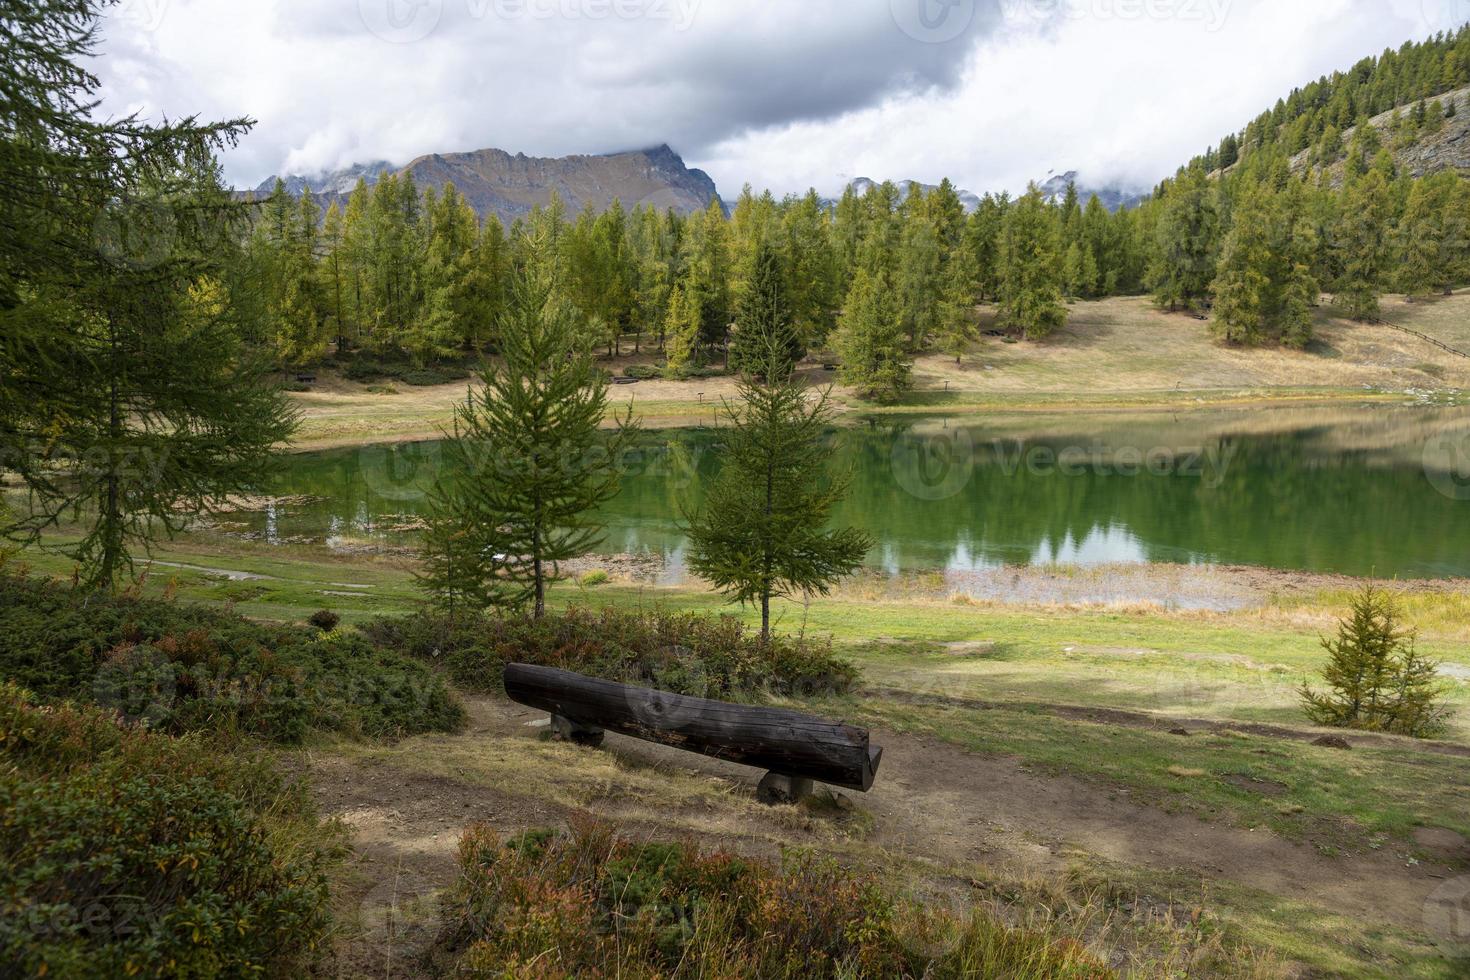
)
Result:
{"points": [[1113, 352]]}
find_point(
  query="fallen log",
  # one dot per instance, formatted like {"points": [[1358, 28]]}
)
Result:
{"points": [[788, 743]]}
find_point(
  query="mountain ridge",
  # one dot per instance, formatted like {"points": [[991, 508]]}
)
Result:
{"points": [[495, 181]]}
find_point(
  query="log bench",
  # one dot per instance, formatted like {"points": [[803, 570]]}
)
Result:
{"points": [[796, 749]]}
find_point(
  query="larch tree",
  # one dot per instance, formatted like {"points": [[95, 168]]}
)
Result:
{"points": [[1185, 245], [764, 316], [1363, 236], [870, 339], [1264, 290], [763, 533], [532, 460], [958, 326], [1432, 242], [128, 401], [1031, 269]]}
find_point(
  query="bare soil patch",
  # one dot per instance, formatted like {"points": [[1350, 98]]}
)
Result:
{"points": [[934, 806]]}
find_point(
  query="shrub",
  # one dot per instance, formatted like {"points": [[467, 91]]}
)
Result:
{"points": [[325, 620], [126, 853], [643, 372], [1377, 680], [706, 656], [186, 668], [592, 903], [368, 369], [425, 377], [594, 578]]}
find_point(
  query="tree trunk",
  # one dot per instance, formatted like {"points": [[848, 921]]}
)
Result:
{"points": [[785, 742]]}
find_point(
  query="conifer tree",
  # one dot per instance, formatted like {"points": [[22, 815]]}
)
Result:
{"points": [[1265, 290], [919, 277], [763, 532], [870, 340], [1363, 237], [683, 323], [957, 323], [128, 399], [814, 277], [1185, 248], [1031, 269], [534, 463], [1376, 679], [1432, 245], [764, 317]]}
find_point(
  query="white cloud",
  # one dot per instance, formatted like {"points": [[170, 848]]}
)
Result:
{"points": [[781, 93]]}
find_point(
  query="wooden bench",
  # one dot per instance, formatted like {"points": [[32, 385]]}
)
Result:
{"points": [[795, 748]]}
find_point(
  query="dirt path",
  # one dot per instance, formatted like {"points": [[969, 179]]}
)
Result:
{"points": [[934, 805]]}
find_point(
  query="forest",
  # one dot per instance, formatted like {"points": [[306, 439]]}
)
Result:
{"points": [[1250, 230]]}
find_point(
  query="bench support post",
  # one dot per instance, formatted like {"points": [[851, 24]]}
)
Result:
{"points": [[778, 790], [566, 730]]}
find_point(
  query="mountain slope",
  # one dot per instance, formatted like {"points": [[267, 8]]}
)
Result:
{"points": [[1113, 197], [509, 186], [1424, 155]]}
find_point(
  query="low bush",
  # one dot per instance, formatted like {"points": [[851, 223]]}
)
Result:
{"points": [[185, 668], [128, 853], [325, 620], [426, 377], [592, 903], [643, 372], [706, 656]]}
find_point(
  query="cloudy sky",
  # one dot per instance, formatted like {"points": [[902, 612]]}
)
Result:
{"points": [[785, 94]]}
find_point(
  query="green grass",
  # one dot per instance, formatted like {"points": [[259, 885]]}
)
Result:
{"points": [[1338, 801], [1232, 668]]}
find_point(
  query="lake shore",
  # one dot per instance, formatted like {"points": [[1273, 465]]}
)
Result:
{"points": [[1113, 355]]}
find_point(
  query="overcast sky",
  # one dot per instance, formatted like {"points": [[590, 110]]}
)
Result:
{"points": [[785, 94]]}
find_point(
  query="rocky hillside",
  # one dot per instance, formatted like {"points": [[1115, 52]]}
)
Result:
{"points": [[1423, 155], [497, 182]]}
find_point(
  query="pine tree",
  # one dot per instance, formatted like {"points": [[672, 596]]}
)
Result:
{"points": [[764, 316], [128, 399], [763, 531], [919, 276], [1431, 242], [683, 323], [1376, 679], [1031, 269], [1185, 247], [534, 462], [1363, 237], [957, 322], [1265, 290], [870, 340]]}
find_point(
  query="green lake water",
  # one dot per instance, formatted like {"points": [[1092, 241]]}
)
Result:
{"points": [[1374, 490]]}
